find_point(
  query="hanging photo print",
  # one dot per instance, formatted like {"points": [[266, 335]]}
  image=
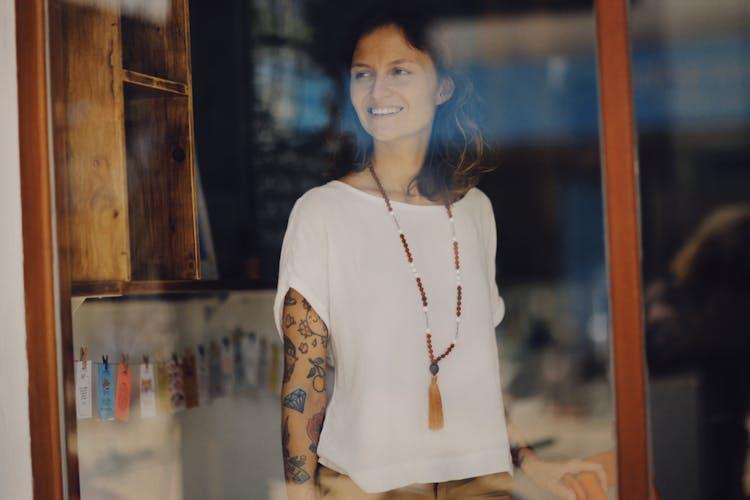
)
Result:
{"points": [[148, 393], [216, 387], [203, 375], [227, 366], [105, 393], [176, 388], [250, 357], [162, 387], [190, 379], [83, 388], [122, 394]]}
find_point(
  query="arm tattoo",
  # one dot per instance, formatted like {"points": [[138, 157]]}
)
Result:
{"points": [[312, 328], [292, 465], [290, 358], [289, 300], [296, 400], [318, 374], [289, 320], [314, 426]]}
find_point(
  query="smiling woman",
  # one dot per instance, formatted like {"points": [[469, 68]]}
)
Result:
{"points": [[394, 332], [402, 89], [390, 351]]}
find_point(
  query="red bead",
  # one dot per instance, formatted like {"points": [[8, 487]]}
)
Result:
{"points": [[420, 286]]}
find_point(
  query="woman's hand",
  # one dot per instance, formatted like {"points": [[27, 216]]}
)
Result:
{"points": [[557, 477], [303, 394]]}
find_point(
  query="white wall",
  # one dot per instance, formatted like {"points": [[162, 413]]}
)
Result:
{"points": [[15, 452]]}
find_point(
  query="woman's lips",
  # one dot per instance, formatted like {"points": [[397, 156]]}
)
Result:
{"points": [[384, 110]]}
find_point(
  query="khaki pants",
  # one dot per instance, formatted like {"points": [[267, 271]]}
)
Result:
{"points": [[335, 486]]}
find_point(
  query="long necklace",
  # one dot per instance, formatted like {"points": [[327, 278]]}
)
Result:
{"points": [[435, 400]]}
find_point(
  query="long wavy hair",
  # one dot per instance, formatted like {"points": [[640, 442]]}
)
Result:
{"points": [[454, 160]]}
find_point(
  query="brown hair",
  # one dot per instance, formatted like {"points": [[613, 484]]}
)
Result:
{"points": [[718, 253]]}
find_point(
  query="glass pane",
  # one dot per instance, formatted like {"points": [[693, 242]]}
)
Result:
{"points": [[691, 70], [188, 134]]}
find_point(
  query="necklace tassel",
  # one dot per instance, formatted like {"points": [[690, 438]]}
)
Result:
{"points": [[436, 406]]}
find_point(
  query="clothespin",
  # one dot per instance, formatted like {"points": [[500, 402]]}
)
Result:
{"points": [[84, 356], [175, 358], [105, 362], [225, 340], [145, 360], [201, 350], [124, 361]]}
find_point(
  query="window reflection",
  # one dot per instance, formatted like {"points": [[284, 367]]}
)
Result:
{"points": [[691, 73]]}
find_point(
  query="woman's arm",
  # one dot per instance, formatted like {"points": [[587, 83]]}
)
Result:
{"points": [[557, 477], [303, 393]]}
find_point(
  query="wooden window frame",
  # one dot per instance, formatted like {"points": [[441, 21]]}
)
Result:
{"points": [[620, 174], [41, 243]]}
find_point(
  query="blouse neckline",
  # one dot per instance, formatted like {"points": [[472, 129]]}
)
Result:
{"points": [[366, 195]]}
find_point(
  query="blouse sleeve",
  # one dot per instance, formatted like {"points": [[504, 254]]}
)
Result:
{"points": [[496, 301], [304, 260]]}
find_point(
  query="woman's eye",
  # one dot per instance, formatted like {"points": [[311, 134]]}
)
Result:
{"points": [[359, 75], [401, 71]]}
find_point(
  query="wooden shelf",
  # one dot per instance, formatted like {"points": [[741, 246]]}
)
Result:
{"points": [[153, 82], [117, 288]]}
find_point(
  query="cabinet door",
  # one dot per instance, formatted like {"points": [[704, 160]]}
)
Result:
{"points": [[127, 133]]}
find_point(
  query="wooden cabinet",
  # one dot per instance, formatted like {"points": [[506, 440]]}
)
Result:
{"points": [[124, 86]]}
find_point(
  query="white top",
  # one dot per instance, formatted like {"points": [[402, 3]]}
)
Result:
{"points": [[342, 252]]}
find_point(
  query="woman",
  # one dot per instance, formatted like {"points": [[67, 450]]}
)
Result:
{"points": [[391, 269]]}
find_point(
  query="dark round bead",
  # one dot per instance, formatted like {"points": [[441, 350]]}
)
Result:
{"points": [[434, 368]]}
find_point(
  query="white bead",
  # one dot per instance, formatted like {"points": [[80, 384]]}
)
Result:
{"points": [[454, 239], [400, 231], [458, 319], [451, 219], [458, 272], [425, 309], [455, 341], [427, 330]]}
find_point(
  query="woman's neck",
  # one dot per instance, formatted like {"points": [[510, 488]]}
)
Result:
{"points": [[397, 165]]}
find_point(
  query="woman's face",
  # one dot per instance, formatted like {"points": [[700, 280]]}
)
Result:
{"points": [[394, 87]]}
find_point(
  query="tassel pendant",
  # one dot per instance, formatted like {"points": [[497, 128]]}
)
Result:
{"points": [[436, 406]]}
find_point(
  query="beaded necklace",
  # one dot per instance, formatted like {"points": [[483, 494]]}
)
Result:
{"points": [[435, 400]]}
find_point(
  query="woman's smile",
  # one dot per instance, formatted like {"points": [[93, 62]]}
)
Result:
{"points": [[385, 111]]}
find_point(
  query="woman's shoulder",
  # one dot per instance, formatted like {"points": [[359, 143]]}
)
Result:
{"points": [[477, 198], [317, 201]]}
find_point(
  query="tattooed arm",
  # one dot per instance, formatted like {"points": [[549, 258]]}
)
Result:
{"points": [[303, 393]]}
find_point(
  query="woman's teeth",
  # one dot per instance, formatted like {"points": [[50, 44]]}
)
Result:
{"points": [[384, 111]]}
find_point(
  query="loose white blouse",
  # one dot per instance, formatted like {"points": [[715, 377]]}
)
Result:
{"points": [[342, 252]]}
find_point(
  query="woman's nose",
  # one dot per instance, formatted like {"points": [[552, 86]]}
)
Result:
{"points": [[380, 87]]}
